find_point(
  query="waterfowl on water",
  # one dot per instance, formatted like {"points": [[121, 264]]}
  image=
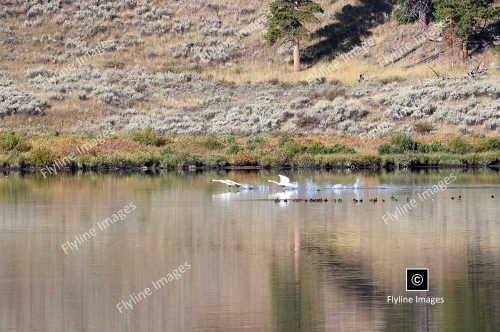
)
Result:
{"points": [[229, 183], [284, 182]]}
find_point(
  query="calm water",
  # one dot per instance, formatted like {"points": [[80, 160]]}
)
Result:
{"points": [[255, 265]]}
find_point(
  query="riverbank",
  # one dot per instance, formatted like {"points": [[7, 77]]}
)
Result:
{"points": [[147, 149]]}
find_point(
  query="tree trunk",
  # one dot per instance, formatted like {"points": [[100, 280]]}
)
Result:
{"points": [[296, 57], [465, 51], [422, 18]]}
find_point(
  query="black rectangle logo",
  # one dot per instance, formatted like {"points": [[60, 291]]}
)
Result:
{"points": [[417, 279]]}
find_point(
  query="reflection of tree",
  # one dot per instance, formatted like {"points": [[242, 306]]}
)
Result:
{"points": [[295, 293], [472, 301]]}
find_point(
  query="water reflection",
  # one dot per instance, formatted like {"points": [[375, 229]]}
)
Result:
{"points": [[256, 265]]}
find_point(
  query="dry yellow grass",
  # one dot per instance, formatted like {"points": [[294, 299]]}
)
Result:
{"points": [[347, 73]]}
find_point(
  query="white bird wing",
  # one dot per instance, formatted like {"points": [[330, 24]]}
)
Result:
{"points": [[284, 180], [232, 183]]}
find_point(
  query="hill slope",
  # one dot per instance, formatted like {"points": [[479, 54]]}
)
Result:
{"points": [[202, 67]]}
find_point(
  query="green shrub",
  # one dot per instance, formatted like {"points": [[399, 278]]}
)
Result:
{"points": [[284, 139], [459, 145], [436, 147], [318, 148], [172, 161], [211, 143], [10, 140], [166, 151], [233, 149], [305, 161], [14, 158], [384, 148], [251, 147], [214, 161], [291, 148], [489, 144], [147, 137], [402, 143], [87, 160], [255, 140], [231, 139], [276, 158], [40, 156]]}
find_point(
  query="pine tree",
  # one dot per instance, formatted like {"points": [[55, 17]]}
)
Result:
{"points": [[411, 10], [466, 17], [286, 22]]}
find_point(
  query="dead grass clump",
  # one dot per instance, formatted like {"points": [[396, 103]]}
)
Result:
{"points": [[307, 122], [244, 158], [423, 127]]}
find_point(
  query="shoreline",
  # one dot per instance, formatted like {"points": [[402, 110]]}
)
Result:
{"points": [[146, 149], [140, 169]]}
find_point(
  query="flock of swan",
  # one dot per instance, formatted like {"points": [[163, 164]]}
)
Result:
{"points": [[290, 190], [284, 182]]}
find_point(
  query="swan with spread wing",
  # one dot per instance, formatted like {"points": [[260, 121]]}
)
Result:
{"points": [[285, 182]]}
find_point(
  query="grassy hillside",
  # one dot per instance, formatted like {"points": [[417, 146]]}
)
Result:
{"points": [[202, 67]]}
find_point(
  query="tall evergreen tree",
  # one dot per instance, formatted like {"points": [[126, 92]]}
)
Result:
{"points": [[411, 10], [286, 22], [466, 17]]}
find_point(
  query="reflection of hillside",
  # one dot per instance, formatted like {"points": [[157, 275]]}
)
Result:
{"points": [[256, 265], [325, 296]]}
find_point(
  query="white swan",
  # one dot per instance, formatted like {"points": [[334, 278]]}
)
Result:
{"points": [[229, 183], [284, 182], [232, 184], [358, 183]]}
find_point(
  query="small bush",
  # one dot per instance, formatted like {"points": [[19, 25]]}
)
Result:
{"points": [[423, 127], [244, 158], [233, 149], [291, 148], [11, 141], [215, 161], [459, 145], [40, 156], [167, 151], [231, 139], [402, 143], [488, 144], [437, 147], [307, 122], [256, 140], [384, 148], [211, 143], [275, 158], [336, 148], [284, 139], [14, 158], [147, 137]]}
